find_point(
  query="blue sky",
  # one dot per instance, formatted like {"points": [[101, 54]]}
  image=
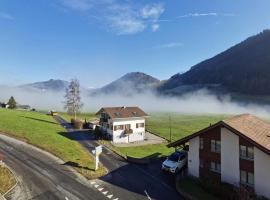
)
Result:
{"points": [[98, 41]]}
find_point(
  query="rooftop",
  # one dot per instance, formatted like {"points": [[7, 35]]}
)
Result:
{"points": [[123, 112], [252, 128]]}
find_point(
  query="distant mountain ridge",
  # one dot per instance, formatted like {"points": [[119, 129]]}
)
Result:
{"points": [[244, 68], [50, 85], [129, 84]]}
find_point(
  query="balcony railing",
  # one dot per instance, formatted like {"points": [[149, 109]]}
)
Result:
{"points": [[128, 131], [103, 120]]}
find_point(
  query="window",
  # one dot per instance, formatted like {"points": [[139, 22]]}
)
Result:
{"points": [[215, 146], [140, 125], [246, 152], [215, 167], [201, 143], [246, 178], [119, 127]]}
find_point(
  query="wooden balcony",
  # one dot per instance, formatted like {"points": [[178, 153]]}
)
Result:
{"points": [[128, 131]]}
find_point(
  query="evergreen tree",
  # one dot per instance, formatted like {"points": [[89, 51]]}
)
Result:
{"points": [[12, 103], [73, 99]]}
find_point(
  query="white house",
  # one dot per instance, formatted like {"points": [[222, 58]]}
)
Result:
{"points": [[123, 124], [235, 151]]}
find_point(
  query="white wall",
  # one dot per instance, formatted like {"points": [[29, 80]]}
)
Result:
{"points": [[137, 135], [230, 170], [193, 157], [261, 173]]}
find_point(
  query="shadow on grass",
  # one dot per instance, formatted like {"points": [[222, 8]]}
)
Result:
{"points": [[77, 135], [74, 164], [40, 120]]}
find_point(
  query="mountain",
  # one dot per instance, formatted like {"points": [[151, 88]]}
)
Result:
{"points": [[134, 82], [244, 68], [50, 85]]}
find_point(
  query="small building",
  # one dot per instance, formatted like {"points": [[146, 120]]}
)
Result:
{"points": [[93, 124], [4, 105], [234, 151], [123, 124]]}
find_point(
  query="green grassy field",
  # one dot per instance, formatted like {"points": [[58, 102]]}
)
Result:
{"points": [[181, 124], [44, 132], [158, 123]]}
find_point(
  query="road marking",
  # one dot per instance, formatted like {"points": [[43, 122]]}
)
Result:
{"points": [[110, 196], [105, 192], [96, 186], [147, 195], [92, 183], [100, 189], [66, 198], [116, 199]]}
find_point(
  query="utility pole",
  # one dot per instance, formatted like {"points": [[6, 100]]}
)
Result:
{"points": [[170, 121]]}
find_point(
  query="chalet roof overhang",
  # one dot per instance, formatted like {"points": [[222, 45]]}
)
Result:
{"points": [[220, 124]]}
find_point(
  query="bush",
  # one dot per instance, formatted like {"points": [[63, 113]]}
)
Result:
{"points": [[97, 133], [72, 121], [77, 124]]}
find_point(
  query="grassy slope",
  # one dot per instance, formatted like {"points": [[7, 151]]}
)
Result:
{"points": [[6, 180], [42, 131], [182, 125]]}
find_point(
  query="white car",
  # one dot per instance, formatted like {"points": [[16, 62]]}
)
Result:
{"points": [[175, 162]]}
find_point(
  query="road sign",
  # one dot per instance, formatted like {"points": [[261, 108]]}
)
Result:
{"points": [[98, 149], [97, 152]]}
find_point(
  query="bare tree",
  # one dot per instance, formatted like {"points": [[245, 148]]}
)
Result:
{"points": [[73, 98]]}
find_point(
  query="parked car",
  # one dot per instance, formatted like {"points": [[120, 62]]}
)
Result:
{"points": [[54, 113], [175, 162]]}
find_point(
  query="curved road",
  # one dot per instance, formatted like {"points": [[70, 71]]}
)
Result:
{"points": [[41, 176], [126, 180]]}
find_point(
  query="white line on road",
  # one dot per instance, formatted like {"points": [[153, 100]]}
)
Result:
{"points": [[96, 186], [105, 192], [92, 183], [147, 195], [110, 196], [100, 189], [66, 198]]}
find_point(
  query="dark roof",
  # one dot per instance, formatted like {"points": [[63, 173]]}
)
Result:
{"points": [[123, 112], [251, 128]]}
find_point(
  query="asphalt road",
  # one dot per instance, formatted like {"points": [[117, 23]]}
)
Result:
{"points": [[126, 180], [41, 176]]}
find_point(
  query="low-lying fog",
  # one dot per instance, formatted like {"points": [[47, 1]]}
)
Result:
{"points": [[197, 102]]}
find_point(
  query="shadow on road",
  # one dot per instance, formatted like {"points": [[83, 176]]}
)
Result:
{"points": [[138, 179]]}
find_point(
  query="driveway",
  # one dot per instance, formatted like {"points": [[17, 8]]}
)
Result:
{"points": [[42, 176], [126, 180]]}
